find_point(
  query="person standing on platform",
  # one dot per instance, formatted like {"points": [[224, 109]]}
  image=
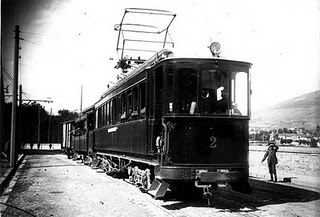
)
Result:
{"points": [[272, 160]]}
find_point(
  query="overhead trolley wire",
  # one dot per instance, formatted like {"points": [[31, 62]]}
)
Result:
{"points": [[38, 34]]}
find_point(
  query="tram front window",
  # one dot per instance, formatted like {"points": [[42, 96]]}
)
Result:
{"points": [[239, 93], [187, 90], [215, 91], [224, 92], [207, 90]]}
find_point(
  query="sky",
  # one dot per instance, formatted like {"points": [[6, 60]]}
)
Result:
{"points": [[67, 44]]}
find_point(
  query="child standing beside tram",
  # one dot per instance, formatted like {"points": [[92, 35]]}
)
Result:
{"points": [[272, 160]]}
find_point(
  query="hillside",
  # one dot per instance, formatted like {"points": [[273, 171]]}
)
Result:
{"points": [[299, 112]]}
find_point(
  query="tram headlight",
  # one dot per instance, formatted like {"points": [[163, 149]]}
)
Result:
{"points": [[215, 49]]}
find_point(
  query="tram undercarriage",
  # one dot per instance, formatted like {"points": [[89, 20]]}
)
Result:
{"points": [[157, 181]]}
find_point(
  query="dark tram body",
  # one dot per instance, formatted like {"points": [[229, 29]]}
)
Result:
{"points": [[83, 139], [150, 118], [173, 123], [67, 137]]}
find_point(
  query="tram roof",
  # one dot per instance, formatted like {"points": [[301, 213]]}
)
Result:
{"points": [[143, 67]]}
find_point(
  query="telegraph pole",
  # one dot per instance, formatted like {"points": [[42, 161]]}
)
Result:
{"points": [[14, 97], [39, 116], [20, 95], [2, 140], [20, 115]]}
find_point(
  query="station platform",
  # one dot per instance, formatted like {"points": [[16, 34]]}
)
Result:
{"points": [[6, 172]]}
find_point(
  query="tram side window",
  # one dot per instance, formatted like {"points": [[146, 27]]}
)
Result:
{"points": [[103, 115], [123, 107], [80, 127], [158, 89], [119, 109], [142, 97], [111, 112], [97, 118], [100, 117], [76, 132], [108, 113], [114, 111], [84, 127], [135, 103], [129, 104], [90, 120], [169, 89]]}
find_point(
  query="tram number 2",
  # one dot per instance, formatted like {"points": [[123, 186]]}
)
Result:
{"points": [[213, 141]]}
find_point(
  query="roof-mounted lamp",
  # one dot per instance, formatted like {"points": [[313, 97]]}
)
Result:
{"points": [[215, 49]]}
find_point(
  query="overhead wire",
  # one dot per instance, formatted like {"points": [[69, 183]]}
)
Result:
{"points": [[38, 34], [30, 42], [7, 77], [22, 90], [6, 71]]}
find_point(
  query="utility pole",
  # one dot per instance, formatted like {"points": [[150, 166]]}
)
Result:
{"points": [[2, 134], [14, 98], [39, 113], [20, 95], [20, 115]]}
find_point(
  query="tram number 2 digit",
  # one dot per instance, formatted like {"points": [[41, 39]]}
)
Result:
{"points": [[213, 141]]}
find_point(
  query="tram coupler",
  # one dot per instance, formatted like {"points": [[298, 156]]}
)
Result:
{"points": [[206, 190]]}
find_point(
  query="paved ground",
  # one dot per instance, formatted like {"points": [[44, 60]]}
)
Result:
{"points": [[52, 185]]}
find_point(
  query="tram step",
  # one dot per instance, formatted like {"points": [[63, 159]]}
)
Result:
{"points": [[158, 188]]}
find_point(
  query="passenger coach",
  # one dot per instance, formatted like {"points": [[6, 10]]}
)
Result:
{"points": [[83, 139]]}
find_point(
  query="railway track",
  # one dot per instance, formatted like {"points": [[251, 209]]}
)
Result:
{"points": [[55, 173], [233, 202], [221, 204], [226, 202]]}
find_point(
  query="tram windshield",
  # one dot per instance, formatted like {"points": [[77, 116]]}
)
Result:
{"points": [[207, 90]]}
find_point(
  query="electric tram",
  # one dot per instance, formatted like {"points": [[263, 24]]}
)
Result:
{"points": [[173, 123]]}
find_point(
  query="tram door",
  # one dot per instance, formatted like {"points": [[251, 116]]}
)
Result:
{"points": [[157, 106]]}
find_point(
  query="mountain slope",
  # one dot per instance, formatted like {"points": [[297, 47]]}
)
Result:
{"points": [[299, 112]]}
